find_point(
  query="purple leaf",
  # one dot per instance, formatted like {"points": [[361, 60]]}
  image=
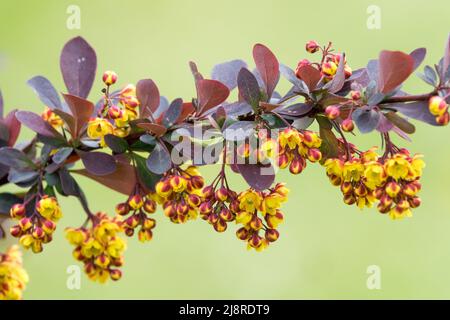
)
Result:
{"points": [[446, 60], [46, 92], [339, 78], [148, 95], [1, 105], [37, 124], [173, 113], [257, 176], [236, 109], [227, 72], [366, 118], [289, 74], [159, 160], [394, 68], [162, 107], [384, 125], [268, 67], [248, 87], [294, 110], [418, 55], [417, 110], [15, 158], [239, 130], [81, 111], [210, 93], [13, 126], [78, 64], [98, 163]]}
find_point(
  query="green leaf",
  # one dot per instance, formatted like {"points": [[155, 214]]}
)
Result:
{"points": [[147, 178], [330, 144], [116, 144]]}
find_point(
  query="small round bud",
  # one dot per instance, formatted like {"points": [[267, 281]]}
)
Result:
{"points": [[332, 112], [17, 211], [347, 125], [355, 95], [109, 77], [312, 46]]}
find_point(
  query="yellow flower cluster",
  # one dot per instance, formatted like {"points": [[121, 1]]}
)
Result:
{"points": [[296, 147], [139, 207], [218, 207], [179, 192], [251, 204], [38, 228], [119, 109], [52, 118], [393, 181], [13, 277], [100, 248]]}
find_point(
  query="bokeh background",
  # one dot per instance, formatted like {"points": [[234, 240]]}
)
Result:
{"points": [[325, 247]]}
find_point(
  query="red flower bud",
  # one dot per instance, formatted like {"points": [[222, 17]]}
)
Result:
{"points": [[109, 77], [332, 112], [272, 235], [347, 125], [312, 46]]}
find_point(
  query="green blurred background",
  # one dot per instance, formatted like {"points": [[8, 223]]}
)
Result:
{"points": [[325, 246]]}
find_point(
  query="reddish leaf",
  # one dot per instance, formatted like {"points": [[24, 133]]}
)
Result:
{"points": [[81, 111], [394, 68], [309, 75], [210, 93], [148, 95], [115, 181], [186, 110], [78, 64], [156, 129], [268, 67], [197, 75], [13, 126]]}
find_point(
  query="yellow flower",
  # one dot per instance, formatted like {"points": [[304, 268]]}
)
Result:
{"points": [[334, 167], [353, 170], [98, 128], [48, 208], [374, 174], [271, 203], [397, 167], [13, 277], [249, 200], [289, 137], [369, 155], [52, 118], [417, 165], [243, 217], [75, 236]]}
